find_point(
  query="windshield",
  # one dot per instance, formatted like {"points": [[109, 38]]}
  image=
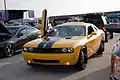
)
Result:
{"points": [[116, 50], [63, 31], [12, 30]]}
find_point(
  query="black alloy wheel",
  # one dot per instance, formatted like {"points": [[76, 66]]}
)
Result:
{"points": [[9, 50], [82, 60], [101, 48]]}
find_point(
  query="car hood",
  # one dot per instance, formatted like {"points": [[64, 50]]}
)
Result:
{"points": [[3, 29], [55, 42], [4, 37]]}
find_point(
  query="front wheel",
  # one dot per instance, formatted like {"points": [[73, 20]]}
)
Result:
{"points": [[82, 60], [9, 50]]}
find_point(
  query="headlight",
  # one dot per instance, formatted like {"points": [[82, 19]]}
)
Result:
{"points": [[67, 50], [25, 49], [116, 68], [30, 49], [64, 50], [70, 50]]}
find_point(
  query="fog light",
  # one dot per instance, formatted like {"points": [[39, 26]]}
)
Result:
{"points": [[67, 63], [29, 61]]}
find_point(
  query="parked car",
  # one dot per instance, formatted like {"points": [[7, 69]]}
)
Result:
{"points": [[113, 27], [67, 44], [12, 38], [100, 21], [115, 62]]}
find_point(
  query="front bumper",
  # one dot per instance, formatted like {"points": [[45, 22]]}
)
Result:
{"points": [[50, 59]]}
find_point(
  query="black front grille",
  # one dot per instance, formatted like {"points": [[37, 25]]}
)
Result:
{"points": [[47, 50], [45, 61]]}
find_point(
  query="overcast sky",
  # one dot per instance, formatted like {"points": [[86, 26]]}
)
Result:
{"points": [[63, 7]]}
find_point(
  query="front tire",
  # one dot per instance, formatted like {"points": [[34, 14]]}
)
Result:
{"points": [[82, 60], [9, 50]]}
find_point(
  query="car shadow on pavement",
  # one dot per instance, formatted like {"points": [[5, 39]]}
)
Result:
{"points": [[52, 72], [56, 69]]}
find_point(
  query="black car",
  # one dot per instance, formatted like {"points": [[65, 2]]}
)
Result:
{"points": [[115, 62], [12, 38], [113, 27], [100, 21]]}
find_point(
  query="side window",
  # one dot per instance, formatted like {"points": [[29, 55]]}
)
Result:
{"points": [[116, 49], [22, 32], [90, 30], [95, 28], [30, 30]]}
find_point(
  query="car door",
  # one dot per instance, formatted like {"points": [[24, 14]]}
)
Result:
{"points": [[98, 39], [21, 38], [32, 34], [91, 38]]}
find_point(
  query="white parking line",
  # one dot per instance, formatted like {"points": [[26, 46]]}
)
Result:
{"points": [[10, 62], [4, 63]]}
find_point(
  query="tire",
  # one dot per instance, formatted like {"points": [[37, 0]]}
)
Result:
{"points": [[101, 48], [111, 35], [9, 50], [82, 60], [106, 36]]}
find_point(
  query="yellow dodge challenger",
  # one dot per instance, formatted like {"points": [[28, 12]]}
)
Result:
{"points": [[67, 44]]}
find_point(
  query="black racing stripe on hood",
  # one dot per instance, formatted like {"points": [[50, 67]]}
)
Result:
{"points": [[49, 43]]}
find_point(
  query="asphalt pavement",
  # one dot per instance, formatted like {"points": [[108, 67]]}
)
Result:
{"points": [[98, 68]]}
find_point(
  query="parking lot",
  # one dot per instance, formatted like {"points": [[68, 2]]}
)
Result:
{"points": [[98, 68]]}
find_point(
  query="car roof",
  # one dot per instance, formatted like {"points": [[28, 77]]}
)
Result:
{"points": [[75, 24], [20, 26]]}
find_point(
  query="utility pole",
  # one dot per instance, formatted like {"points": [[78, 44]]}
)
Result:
{"points": [[5, 9]]}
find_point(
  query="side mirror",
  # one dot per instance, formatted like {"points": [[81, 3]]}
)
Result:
{"points": [[20, 34], [94, 33]]}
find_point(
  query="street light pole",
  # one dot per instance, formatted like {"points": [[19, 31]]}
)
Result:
{"points": [[5, 9]]}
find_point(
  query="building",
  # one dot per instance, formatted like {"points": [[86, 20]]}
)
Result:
{"points": [[15, 14]]}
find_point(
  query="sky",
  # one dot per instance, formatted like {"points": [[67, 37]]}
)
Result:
{"points": [[63, 7]]}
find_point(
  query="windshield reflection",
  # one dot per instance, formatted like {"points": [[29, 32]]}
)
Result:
{"points": [[63, 31]]}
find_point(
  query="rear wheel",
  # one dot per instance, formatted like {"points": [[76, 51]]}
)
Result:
{"points": [[101, 48], [82, 60], [9, 50], [106, 36]]}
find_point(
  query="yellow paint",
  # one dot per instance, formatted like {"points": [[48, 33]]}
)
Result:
{"points": [[92, 42]]}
